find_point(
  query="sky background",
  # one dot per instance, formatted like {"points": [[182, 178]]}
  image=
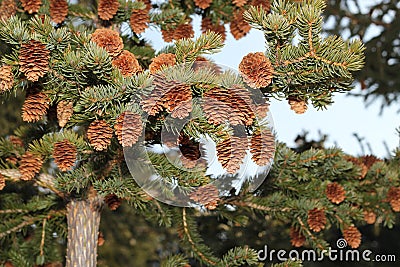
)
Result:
{"points": [[346, 116]]}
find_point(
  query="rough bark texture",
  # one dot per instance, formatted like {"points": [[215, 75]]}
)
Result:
{"points": [[83, 227]]}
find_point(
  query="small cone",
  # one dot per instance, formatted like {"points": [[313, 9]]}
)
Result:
{"points": [[256, 70], [190, 150], [352, 236], [239, 27], [239, 3], [167, 35], [208, 25], [393, 196], [262, 147], [112, 201], [183, 110], [99, 135], [109, 40], [335, 193], [265, 4], [358, 162], [64, 112], [139, 20], [65, 154], [34, 60], [16, 141], [8, 8], [316, 219], [107, 9], [184, 30], [161, 61], [58, 10], [6, 78], [31, 6], [2, 182], [369, 160], [297, 105], [203, 4], [127, 63], [296, 238], [128, 128], [231, 152], [35, 107], [100, 239], [369, 217], [29, 166], [207, 195]]}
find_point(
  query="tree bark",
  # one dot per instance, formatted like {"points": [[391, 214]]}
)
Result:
{"points": [[83, 217]]}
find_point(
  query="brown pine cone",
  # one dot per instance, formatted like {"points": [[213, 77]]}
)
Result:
{"points": [[262, 147], [112, 201], [231, 152], [184, 30], [64, 112], [203, 4], [335, 193], [296, 238], [316, 219], [161, 61], [127, 63], [256, 70], [297, 105], [239, 27], [239, 3], [109, 40], [58, 10], [393, 196], [16, 141], [139, 20], [8, 8], [34, 60], [107, 9], [208, 25], [352, 236], [99, 134], [358, 162], [6, 78], [207, 195], [30, 165], [31, 6], [35, 107], [2, 182], [65, 154], [128, 128], [369, 217]]}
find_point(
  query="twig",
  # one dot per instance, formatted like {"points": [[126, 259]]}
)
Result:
{"points": [[43, 235]]}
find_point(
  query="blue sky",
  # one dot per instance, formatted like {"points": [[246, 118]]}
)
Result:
{"points": [[348, 115]]}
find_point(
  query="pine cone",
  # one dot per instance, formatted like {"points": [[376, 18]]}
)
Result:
{"points": [[265, 4], [128, 128], [30, 165], [99, 135], [139, 20], [316, 219], [369, 217], [256, 70], [207, 25], [369, 160], [231, 152], [16, 141], [107, 9], [296, 238], [239, 3], [190, 150], [31, 6], [358, 162], [2, 182], [203, 4], [100, 239], [184, 30], [352, 236], [8, 8], [34, 60], [35, 107], [299, 106], [262, 147], [109, 40], [64, 112], [161, 61], [207, 195], [112, 201], [393, 196], [6, 78], [335, 193], [58, 10], [127, 63], [204, 63], [65, 154], [239, 27], [168, 35]]}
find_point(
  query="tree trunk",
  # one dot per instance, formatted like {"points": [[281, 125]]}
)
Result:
{"points": [[83, 217]]}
